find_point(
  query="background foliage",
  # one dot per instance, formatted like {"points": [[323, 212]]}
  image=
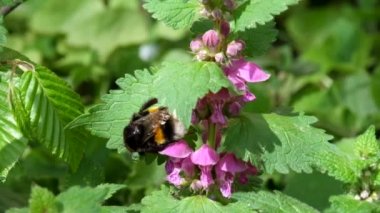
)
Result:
{"points": [[325, 63]]}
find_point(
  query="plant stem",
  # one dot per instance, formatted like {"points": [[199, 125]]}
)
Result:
{"points": [[212, 135]]}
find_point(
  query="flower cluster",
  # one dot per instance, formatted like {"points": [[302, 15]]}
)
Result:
{"points": [[205, 167]]}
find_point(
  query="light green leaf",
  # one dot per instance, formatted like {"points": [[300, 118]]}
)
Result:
{"points": [[366, 144], [86, 199], [176, 85], [273, 202], [51, 104], [175, 13], [42, 200], [163, 201], [258, 40], [346, 203], [256, 12], [12, 142], [111, 26]]}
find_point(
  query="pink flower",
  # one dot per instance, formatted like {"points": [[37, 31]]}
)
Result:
{"points": [[211, 39], [217, 102], [240, 72], [205, 157], [226, 169], [179, 153], [196, 45]]}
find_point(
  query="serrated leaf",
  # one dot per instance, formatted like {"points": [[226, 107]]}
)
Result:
{"points": [[163, 201], [256, 12], [176, 85], [345, 203], [42, 200], [258, 40], [12, 142], [273, 202], [51, 104], [175, 13], [366, 144], [86, 199], [287, 142]]}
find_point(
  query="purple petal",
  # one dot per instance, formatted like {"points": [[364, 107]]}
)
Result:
{"points": [[248, 96], [174, 177], [206, 176], [211, 38], [229, 163], [205, 156], [249, 71], [178, 149], [187, 166], [225, 186], [217, 115]]}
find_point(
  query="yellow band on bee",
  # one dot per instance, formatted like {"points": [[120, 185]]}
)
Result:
{"points": [[159, 136], [153, 109]]}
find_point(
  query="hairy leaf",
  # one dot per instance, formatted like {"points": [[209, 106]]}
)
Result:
{"points": [[256, 12], [42, 200], [86, 199], [366, 144], [273, 202], [51, 104], [176, 85], [287, 142], [163, 201], [12, 142], [175, 13], [346, 203]]}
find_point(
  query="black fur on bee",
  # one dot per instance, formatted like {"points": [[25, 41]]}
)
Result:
{"points": [[152, 129]]}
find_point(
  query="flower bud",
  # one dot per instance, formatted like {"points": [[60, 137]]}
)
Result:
{"points": [[217, 14], [196, 45], [202, 55], [219, 57], [211, 39], [225, 28], [230, 4], [234, 48]]}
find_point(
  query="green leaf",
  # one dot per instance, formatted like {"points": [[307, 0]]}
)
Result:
{"points": [[86, 199], [176, 85], [287, 142], [283, 141], [258, 40], [273, 202], [175, 13], [3, 32], [42, 200], [163, 201], [345, 203], [366, 144], [12, 142], [256, 12], [51, 104], [78, 19]]}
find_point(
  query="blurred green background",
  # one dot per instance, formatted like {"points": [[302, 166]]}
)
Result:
{"points": [[325, 63]]}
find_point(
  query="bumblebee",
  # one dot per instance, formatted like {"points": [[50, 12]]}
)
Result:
{"points": [[152, 129]]}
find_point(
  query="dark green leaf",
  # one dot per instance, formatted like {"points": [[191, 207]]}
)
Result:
{"points": [[273, 202]]}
